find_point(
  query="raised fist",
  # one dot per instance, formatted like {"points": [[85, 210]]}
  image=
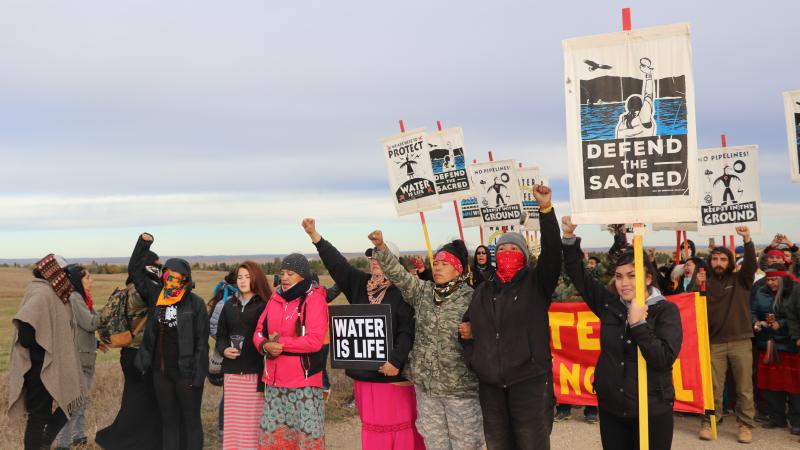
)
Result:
{"points": [[376, 237]]}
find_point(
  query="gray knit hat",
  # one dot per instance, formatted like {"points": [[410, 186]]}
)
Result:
{"points": [[512, 237], [298, 264]]}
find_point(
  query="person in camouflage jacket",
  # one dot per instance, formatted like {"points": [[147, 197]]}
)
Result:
{"points": [[449, 414]]}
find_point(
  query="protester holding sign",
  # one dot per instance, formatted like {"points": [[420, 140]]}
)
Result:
{"points": [[510, 345], [242, 364], [778, 359], [730, 332], [653, 328], [386, 401], [447, 391], [290, 333]]}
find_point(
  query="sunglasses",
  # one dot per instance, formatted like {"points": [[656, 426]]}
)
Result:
{"points": [[481, 253]]}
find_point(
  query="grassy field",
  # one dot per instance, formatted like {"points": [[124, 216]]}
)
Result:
{"points": [[107, 389]]}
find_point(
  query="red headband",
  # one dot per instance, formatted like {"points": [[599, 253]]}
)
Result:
{"points": [[777, 273], [775, 252], [450, 259]]}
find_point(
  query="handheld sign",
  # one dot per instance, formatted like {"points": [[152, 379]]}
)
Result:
{"points": [[446, 150], [497, 190], [631, 139], [411, 179], [528, 179], [791, 104], [361, 336], [730, 189]]}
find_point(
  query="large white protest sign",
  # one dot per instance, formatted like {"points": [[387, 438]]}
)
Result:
{"points": [[791, 103], [411, 180], [497, 190], [446, 151], [730, 189], [528, 178], [631, 140], [470, 212]]}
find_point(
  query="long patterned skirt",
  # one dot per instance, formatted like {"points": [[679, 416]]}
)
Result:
{"points": [[243, 409], [293, 419]]}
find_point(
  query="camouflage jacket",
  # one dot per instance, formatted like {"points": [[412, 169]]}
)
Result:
{"points": [[436, 363]]}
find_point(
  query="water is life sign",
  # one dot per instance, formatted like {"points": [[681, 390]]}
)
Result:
{"points": [[361, 336]]}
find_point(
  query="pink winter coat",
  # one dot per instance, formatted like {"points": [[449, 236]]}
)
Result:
{"points": [[287, 371]]}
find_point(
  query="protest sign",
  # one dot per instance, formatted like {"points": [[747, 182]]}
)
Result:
{"points": [[361, 336], [528, 178], [791, 104], [497, 191], [631, 140], [446, 151], [470, 212], [730, 190], [411, 179]]}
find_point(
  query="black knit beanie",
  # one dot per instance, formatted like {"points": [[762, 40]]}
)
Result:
{"points": [[298, 264]]}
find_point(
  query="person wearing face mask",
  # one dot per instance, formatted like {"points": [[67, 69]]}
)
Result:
{"points": [[386, 401], [290, 333], [625, 327], [138, 422], [448, 412], [86, 321], [174, 349], [242, 363], [507, 338]]}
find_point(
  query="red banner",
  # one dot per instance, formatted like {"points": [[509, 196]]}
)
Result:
{"points": [[575, 341]]}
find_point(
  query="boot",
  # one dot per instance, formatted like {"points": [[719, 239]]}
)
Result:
{"points": [[705, 431], [745, 436]]}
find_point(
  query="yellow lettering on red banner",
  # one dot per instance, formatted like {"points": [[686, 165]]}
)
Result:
{"points": [[584, 330], [571, 376], [587, 380], [681, 394], [558, 320]]}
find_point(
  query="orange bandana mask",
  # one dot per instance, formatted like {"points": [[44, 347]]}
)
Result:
{"points": [[174, 288]]}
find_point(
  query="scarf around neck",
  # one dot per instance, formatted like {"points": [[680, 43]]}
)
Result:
{"points": [[376, 288], [445, 290]]}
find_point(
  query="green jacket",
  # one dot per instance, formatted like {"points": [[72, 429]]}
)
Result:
{"points": [[436, 363], [86, 321]]}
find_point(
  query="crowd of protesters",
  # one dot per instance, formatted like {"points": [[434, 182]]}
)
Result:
{"points": [[470, 367]]}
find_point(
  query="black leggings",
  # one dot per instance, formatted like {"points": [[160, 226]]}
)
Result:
{"points": [[519, 416], [622, 433], [179, 404], [43, 423]]}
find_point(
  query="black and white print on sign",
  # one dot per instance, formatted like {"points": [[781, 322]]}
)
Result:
{"points": [[528, 179], [730, 189], [170, 316], [411, 179], [630, 126], [791, 103], [497, 191], [361, 336], [470, 212], [446, 150]]}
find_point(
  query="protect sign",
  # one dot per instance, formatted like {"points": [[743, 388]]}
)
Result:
{"points": [[730, 190], [361, 336], [497, 190], [411, 179], [631, 140]]}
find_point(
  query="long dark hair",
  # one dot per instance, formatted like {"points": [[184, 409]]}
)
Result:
{"points": [[633, 105], [627, 257], [258, 281]]}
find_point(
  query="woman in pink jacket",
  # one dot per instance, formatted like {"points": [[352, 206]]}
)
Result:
{"points": [[290, 334]]}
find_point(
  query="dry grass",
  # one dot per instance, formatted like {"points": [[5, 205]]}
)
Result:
{"points": [[107, 389]]}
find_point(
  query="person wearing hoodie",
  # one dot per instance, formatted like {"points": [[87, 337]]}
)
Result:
{"points": [[448, 411], [507, 322], [86, 321], [290, 333], [482, 268], [692, 276], [778, 359], [174, 347], [730, 331], [138, 421], [386, 401], [626, 328], [44, 367], [242, 363]]}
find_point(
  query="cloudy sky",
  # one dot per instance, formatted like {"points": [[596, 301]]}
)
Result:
{"points": [[218, 126]]}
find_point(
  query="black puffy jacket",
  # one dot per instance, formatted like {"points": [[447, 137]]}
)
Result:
{"points": [[616, 375], [235, 320]]}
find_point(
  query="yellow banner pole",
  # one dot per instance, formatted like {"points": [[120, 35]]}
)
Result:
{"points": [[705, 361], [641, 296]]}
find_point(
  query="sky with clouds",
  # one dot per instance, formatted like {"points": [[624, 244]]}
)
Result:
{"points": [[218, 126]]}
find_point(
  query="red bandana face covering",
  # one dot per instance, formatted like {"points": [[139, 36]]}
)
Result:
{"points": [[509, 263]]}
